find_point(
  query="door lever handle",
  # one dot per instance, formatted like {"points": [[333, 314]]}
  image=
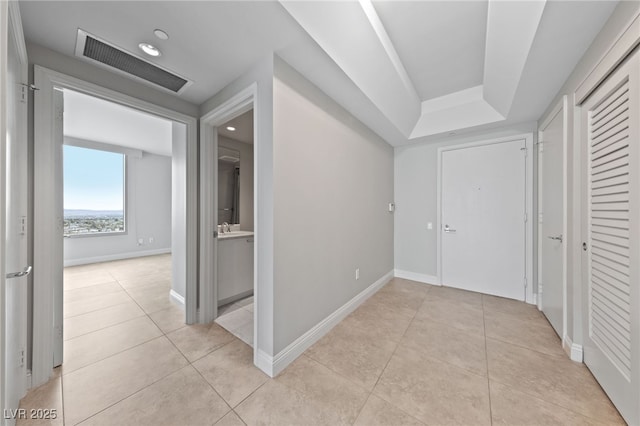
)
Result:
{"points": [[558, 238], [23, 273], [449, 230]]}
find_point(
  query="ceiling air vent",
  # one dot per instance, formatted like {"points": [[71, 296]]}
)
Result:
{"points": [[105, 54]]}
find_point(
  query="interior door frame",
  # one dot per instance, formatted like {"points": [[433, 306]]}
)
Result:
{"points": [[530, 295], [45, 170], [560, 108], [242, 102], [11, 24]]}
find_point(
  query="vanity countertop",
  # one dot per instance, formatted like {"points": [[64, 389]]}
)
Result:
{"points": [[235, 234]]}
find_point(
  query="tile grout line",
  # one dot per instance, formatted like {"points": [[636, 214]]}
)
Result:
{"points": [[103, 328], [62, 397], [200, 374], [389, 360], [145, 387], [370, 392], [497, 339], [96, 310], [130, 395], [572, 410], [114, 354], [163, 334], [362, 408], [248, 396], [234, 412], [486, 357]]}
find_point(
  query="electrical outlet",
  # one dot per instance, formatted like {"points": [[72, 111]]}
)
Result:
{"points": [[429, 226], [140, 241], [151, 240], [357, 273]]}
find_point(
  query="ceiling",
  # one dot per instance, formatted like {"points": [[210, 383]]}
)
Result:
{"points": [[93, 119], [243, 125], [413, 71], [437, 68]]}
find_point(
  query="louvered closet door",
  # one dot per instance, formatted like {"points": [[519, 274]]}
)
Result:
{"points": [[611, 228]]}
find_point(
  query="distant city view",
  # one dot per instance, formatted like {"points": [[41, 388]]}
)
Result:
{"points": [[78, 222], [94, 191]]}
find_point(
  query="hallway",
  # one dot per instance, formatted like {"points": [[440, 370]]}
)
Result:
{"points": [[411, 354]]}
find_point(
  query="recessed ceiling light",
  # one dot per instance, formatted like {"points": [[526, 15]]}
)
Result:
{"points": [[231, 128], [161, 34], [149, 49]]}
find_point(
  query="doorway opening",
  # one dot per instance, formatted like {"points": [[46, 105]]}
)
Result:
{"points": [[120, 209], [236, 227], [125, 217], [214, 130]]}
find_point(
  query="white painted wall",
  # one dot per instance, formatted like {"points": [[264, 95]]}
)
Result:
{"points": [[415, 183], [148, 213], [246, 179], [624, 14], [333, 180]]}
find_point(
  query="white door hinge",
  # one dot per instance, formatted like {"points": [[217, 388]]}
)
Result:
{"points": [[524, 149], [23, 225], [541, 147]]}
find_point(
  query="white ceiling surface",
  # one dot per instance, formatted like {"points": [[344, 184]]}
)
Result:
{"points": [[243, 125], [210, 42], [90, 118], [438, 68], [411, 71]]}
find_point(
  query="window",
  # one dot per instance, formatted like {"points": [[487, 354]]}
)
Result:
{"points": [[94, 192]]}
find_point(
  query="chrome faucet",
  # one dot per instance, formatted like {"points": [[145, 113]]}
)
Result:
{"points": [[225, 224]]}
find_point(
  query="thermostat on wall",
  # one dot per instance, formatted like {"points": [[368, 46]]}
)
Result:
{"points": [[392, 207]]}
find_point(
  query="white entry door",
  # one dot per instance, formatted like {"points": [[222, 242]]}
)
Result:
{"points": [[15, 255], [483, 219], [551, 207], [610, 125]]}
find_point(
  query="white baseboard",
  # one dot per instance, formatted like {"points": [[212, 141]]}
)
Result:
{"points": [[274, 365], [421, 278], [573, 350], [118, 256], [264, 362], [176, 297]]}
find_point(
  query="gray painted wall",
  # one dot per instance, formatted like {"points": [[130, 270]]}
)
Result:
{"points": [[246, 179], [619, 20], [333, 180], [148, 215]]}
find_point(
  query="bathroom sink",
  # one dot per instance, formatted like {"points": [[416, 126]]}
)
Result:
{"points": [[234, 234]]}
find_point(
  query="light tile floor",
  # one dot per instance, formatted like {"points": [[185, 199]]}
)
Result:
{"points": [[237, 319], [412, 354]]}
